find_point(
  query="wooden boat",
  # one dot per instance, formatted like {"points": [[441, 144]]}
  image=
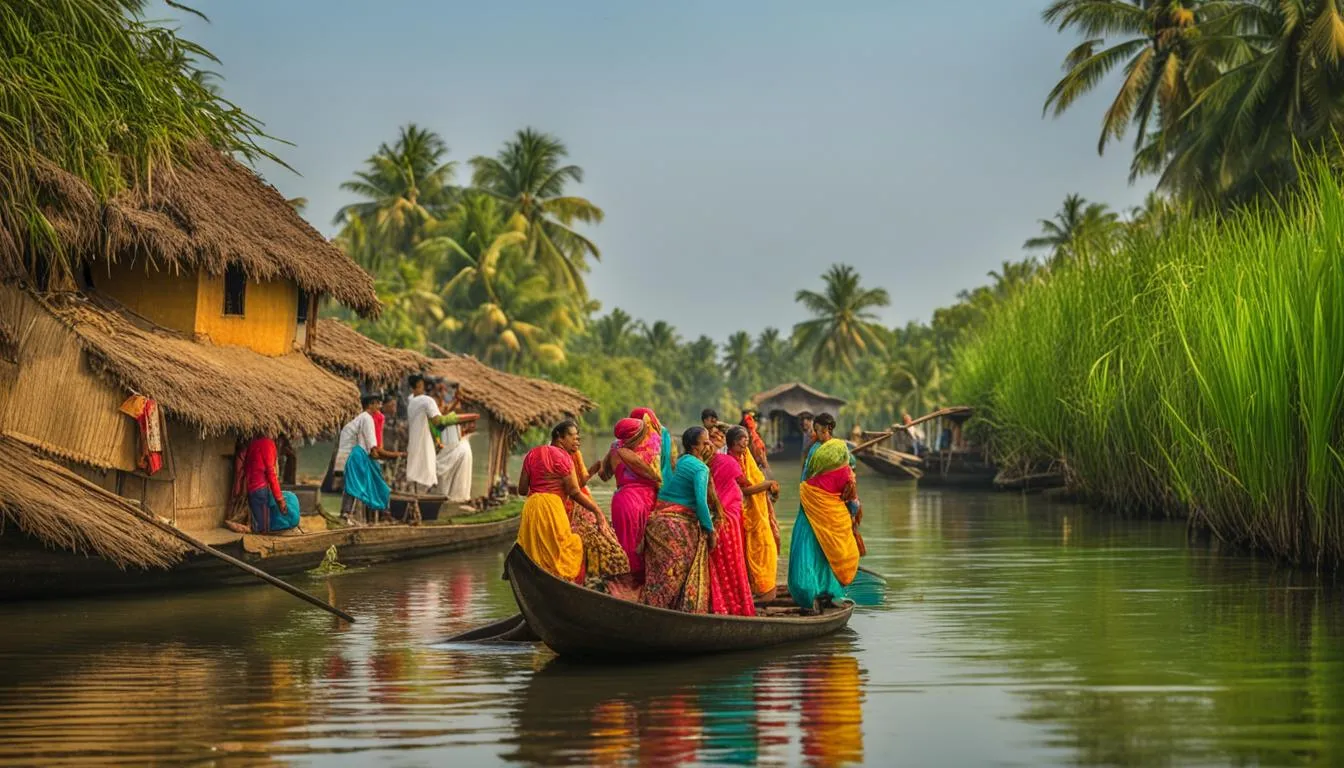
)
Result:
{"points": [[894, 464], [513, 629], [579, 622], [29, 569]]}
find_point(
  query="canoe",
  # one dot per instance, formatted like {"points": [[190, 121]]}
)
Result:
{"points": [[575, 621]]}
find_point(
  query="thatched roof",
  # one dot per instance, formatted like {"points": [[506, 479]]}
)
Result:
{"points": [[218, 389], [64, 510], [203, 215], [349, 353], [518, 401], [795, 397]]}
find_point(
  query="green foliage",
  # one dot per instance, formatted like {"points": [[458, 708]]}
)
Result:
{"points": [[1219, 92], [88, 86], [1196, 372]]}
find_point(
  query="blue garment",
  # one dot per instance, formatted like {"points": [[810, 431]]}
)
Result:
{"points": [[262, 501], [688, 485], [810, 574], [364, 480], [665, 457]]}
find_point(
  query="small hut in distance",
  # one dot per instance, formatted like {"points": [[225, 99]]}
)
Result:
{"points": [[779, 408]]}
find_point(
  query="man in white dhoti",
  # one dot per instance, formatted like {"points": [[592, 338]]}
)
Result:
{"points": [[421, 468], [454, 458]]}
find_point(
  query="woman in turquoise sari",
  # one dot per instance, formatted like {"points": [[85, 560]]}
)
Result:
{"points": [[824, 550]]}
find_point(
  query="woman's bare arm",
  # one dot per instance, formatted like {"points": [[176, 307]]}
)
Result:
{"points": [[636, 464], [573, 491], [524, 481]]}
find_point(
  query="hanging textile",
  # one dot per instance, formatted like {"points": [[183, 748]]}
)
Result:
{"points": [[146, 414]]}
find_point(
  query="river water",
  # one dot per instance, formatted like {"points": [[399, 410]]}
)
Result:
{"points": [[1014, 632]]}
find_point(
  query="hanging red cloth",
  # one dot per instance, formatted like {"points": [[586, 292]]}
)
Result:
{"points": [[146, 414]]}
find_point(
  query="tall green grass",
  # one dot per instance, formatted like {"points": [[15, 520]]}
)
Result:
{"points": [[1197, 372]]}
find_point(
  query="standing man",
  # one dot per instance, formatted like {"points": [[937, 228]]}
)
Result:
{"points": [[805, 426], [708, 418], [420, 452]]}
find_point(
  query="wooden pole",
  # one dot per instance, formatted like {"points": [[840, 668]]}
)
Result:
{"points": [[870, 443], [235, 562]]}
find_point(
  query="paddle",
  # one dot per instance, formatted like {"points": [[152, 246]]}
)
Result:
{"points": [[235, 562]]}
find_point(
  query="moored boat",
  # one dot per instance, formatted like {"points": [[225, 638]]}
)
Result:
{"points": [[579, 622]]}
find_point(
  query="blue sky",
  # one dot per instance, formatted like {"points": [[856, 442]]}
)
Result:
{"points": [[738, 148]]}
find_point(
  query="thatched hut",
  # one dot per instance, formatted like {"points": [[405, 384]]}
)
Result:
{"points": [[349, 353], [513, 403], [197, 294], [781, 406]]}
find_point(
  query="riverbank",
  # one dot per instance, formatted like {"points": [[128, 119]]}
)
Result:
{"points": [[1196, 372]]}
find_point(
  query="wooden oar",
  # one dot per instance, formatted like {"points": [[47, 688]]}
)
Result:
{"points": [[870, 443], [235, 562]]}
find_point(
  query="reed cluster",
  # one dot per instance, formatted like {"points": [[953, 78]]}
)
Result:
{"points": [[1197, 370]]}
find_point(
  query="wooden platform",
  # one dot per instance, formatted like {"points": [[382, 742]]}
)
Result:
{"points": [[28, 569]]}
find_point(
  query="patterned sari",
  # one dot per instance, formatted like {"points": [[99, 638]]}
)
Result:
{"points": [[544, 533], [823, 553], [602, 554], [676, 552], [730, 588], [659, 441]]}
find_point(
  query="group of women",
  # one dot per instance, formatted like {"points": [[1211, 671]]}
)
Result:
{"points": [[695, 532]]}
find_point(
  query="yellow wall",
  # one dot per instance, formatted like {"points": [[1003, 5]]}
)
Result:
{"points": [[267, 324], [167, 298]]}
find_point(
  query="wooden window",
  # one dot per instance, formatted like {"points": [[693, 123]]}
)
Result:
{"points": [[303, 307], [235, 290]]}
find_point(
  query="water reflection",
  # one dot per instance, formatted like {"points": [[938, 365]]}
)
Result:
{"points": [[739, 710], [1014, 632]]}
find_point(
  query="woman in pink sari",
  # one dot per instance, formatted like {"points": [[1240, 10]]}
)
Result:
{"points": [[659, 440], [633, 461], [730, 586]]}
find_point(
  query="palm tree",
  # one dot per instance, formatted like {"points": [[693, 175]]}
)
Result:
{"points": [[1078, 229], [1283, 85], [1012, 276], [915, 376], [1157, 51], [844, 323], [405, 186], [772, 353], [468, 247], [525, 322], [660, 339], [614, 333], [740, 365], [529, 176]]}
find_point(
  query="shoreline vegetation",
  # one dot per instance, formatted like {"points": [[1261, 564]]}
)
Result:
{"points": [[1184, 358]]}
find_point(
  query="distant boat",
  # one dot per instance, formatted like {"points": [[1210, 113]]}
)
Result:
{"points": [[946, 462], [576, 621]]}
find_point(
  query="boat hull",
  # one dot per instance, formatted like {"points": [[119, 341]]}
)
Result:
{"points": [[31, 570], [582, 623]]}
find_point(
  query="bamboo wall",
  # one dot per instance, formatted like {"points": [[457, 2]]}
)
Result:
{"points": [[268, 322], [52, 399], [203, 470]]}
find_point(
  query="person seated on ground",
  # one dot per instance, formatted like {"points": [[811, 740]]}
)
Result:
{"points": [[824, 551], [547, 480], [731, 592], [680, 532], [359, 437], [273, 510]]}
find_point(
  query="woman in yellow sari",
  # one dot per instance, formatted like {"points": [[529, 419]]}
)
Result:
{"points": [[548, 480], [760, 532]]}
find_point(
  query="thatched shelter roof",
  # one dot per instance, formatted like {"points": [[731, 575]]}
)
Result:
{"points": [[795, 397], [349, 353], [64, 510], [218, 389], [517, 401], [203, 214]]}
